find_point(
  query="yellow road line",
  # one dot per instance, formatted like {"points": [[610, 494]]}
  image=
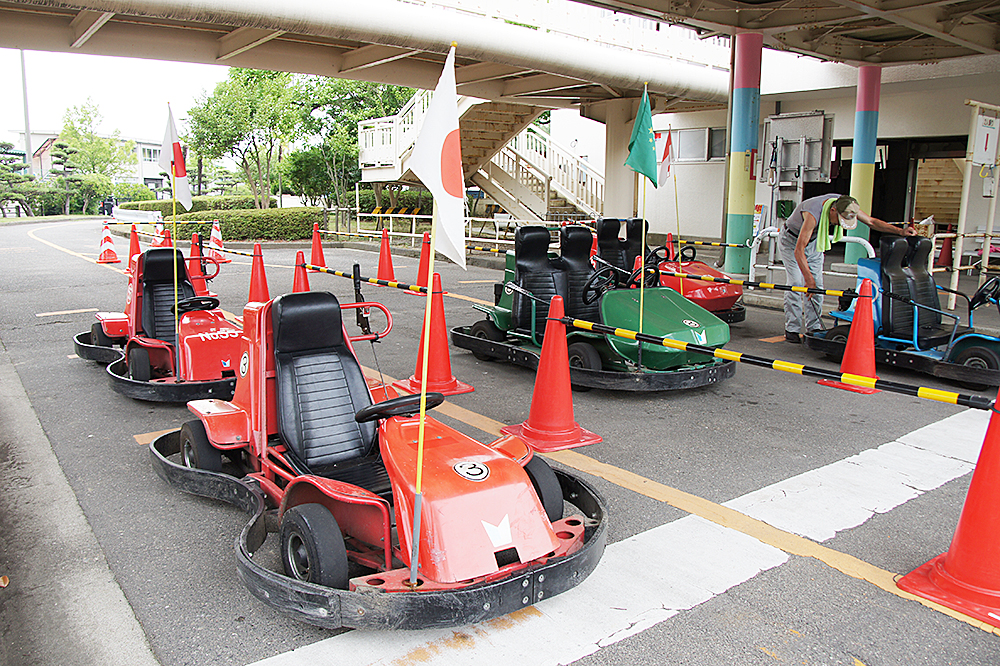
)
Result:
{"points": [[71, 252], [145, 438], [468, 298], [718, 514]]}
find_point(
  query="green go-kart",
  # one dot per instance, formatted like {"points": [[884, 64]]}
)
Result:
{"points": [[513, 328]]}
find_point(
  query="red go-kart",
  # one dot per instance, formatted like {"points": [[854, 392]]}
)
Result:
{"points": [[336, 455], [164, 360], [718, 298]]}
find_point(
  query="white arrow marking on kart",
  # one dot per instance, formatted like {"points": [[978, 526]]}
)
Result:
{"points": [[499, 534]]}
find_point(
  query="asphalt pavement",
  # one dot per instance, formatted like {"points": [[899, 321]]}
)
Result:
{"points": [[108, 564]]}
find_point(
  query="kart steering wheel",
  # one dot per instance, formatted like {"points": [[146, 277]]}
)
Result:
{"points": [[197, 303], [652, 276], [404, 405], [658, 255], [688, 253], [988, 292], [598, 283]]}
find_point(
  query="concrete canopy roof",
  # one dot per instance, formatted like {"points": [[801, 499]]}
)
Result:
{"points": [[852, 31]]}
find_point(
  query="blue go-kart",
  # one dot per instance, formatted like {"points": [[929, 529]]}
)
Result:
{"points": [[911, 329]]}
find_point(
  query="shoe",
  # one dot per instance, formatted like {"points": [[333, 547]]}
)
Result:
{"points": [[792, 337], [816, 333]]}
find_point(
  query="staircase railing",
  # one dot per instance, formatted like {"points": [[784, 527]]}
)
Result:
{"points": [[574, 179]]}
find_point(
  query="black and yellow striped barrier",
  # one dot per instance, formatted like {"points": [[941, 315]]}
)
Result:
{"points": [[395, 210], [371, 235], [479, 248], [382, 283], [228, 251], [950, 397], [713, 244], [760, 285]]}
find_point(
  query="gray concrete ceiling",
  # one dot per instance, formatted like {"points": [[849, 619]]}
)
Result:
{"points": [[853, 31]]}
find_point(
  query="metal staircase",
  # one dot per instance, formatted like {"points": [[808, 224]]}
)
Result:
{"points": [[516, 165]]}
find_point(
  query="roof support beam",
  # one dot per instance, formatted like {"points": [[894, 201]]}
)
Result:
{"points": [[243, 39], [373, 55], [86, 24]]}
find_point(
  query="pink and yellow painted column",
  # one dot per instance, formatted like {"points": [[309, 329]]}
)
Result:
{"points": [[863, 157], [743, 149]]}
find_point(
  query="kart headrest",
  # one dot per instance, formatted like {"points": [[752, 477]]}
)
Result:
{"points": [[306, 320], [633, 228], [575, 242], [158, 265], [531, 242], [608, 228], [896, 252], [920, 249]]}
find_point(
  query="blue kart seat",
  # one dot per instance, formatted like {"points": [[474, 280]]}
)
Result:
{"points": [[932, 330], [319, 388], [535, 272], [575, 242], [156, 317]]}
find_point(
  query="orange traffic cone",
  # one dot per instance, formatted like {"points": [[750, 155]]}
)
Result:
{"points": [[164, 240], [215, 244], [301, 280], [108, 254], [944, 259], [425, 254], [194, 269], [859, 355], [133, 249], [258, 279], [967, 577], [439, 377], [317, 250], [550, 425], [157, 235], [671, 252], [385, 271]]}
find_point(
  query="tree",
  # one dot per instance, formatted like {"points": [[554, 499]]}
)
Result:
{"points": [[108, 156], [332, 109], [12, 180], [247, 117], [93, 187], [64, 169]]}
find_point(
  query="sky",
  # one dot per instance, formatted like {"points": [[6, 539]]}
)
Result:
{"points": [[131, 94]]}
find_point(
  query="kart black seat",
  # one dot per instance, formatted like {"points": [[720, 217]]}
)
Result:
{"points": [[609, 247], [156, 317], [923, 289], [634, 246], [897, 316], [538, 274], [319, 387], [575, 242]]}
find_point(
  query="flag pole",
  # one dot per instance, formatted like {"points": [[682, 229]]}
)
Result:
{"points": [[418, 495], [677, 213], [173, 235]]}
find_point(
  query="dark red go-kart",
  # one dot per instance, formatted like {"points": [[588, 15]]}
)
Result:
{"points": [[150, 355], [335, 454]]}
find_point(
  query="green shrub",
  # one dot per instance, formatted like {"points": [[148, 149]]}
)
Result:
{"points": [[132, 192], [198, 204], [285, 224]]}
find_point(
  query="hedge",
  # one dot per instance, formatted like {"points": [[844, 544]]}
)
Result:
{"points": [[285, 224], [198, 204]]}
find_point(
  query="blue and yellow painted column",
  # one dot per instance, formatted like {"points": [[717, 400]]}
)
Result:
{"points": [[743, 149], [863, 157]]}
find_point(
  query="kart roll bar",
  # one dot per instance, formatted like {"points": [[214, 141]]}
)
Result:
{"points": [[950, 397], [772, 232]]}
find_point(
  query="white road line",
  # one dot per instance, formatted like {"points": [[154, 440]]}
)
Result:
{"points": [[652, 576]]}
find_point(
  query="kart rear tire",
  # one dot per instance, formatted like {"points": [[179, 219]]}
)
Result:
{"points": [[485, 329], [196, 451], [978, 357], [546, 486], [138, 364], [584, 355], [99, 337], [312, 546]]}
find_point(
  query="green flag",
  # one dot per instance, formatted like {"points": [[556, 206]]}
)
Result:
{"points": [[642, 144]]}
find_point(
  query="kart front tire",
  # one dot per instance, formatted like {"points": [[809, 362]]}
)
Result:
{"points": [[546, 486], [838, 334], [196, 451], [983, 358], [138, 364], [312, 546], [583, 355], [99, 337]]}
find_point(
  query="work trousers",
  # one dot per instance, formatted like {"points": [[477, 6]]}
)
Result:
{"points": [[797, 307]]}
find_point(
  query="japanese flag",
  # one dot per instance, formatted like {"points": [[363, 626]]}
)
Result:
{"points": [[172, 161], [668, 157], [437, 162]]}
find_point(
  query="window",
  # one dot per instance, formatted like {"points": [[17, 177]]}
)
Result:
{"points": [[700, 145], [150, 154]]}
